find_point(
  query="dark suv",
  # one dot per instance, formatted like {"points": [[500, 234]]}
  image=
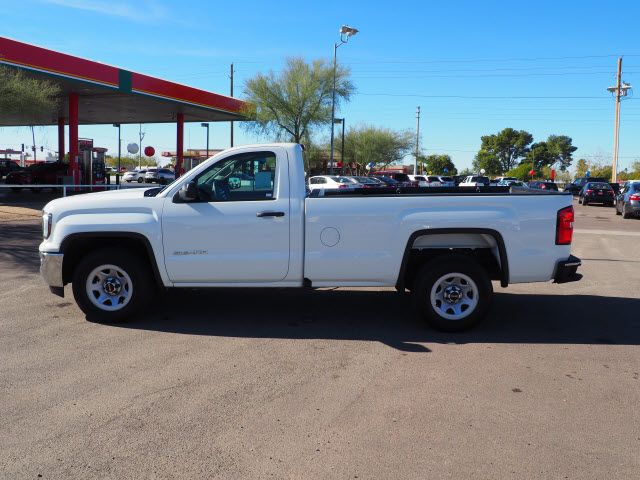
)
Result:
{"points": [[8, 166], [575, 186]]}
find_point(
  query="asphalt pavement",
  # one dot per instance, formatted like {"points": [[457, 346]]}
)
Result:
{"points": [[336, 383]]}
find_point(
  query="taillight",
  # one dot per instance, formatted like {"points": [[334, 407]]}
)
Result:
{"points": [[564, 226], [635, 196], [589, 192], [342, 185]]}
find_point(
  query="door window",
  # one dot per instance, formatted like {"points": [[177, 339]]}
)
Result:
{"points": [[242, 177]]}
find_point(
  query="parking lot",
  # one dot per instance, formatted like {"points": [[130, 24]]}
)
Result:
{"points": [[340, 383]]}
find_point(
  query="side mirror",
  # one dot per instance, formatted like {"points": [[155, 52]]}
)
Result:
{"points": [[188, 192]]}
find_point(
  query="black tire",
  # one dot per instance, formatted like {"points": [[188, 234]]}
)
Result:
{"points": [[625, 214], [140, 179], [139, 275], [585, 202], [432, 273], [579, 201], [618, 212]]}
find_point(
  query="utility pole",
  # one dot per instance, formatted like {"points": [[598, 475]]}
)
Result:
{"points": [[231, 78], [614, 167], [620, 90], [415, 168], [33, 136]]}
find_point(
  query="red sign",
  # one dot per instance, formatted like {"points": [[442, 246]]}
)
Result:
{"points": [[149, 151], [553, 174]]}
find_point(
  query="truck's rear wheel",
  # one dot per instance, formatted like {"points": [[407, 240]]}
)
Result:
{"points": [[452, 292], [110, 285]]}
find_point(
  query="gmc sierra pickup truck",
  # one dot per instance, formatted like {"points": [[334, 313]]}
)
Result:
{"points": [[244, 218]]}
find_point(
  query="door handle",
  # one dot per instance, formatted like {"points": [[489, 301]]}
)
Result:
{"points": [[270, 214]]}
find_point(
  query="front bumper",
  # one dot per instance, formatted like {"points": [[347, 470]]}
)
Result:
{"points": [[567, 270], [51, 271]]}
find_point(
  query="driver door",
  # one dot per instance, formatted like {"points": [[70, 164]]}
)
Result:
{"points": [[238, 229]]}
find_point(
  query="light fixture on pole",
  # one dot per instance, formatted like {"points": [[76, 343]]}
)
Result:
{"points": [[341, 121], [206, 125], [117, 125], [346, 32], [620, 90]]}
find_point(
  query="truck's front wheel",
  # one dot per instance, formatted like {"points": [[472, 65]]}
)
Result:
{"points": [[109, 285], [452, 292]]}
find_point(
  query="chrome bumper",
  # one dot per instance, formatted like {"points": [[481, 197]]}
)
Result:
{"points": [[51, 270]]}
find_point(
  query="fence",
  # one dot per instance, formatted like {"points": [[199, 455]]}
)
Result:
{"points": [[73, 188]]}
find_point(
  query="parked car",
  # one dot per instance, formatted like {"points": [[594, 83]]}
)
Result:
{"points": [[328, 182], [159, 175], [134, 176], [8, 166], [43, 173], [365, 182], [117, 248], [543, 185], [512, 183], [388, 182], [448, 182], [475, 181], [402, 178], [596, 192], [420, 180], [498, 180], [576, 186], [628, 200], [616, 187]]}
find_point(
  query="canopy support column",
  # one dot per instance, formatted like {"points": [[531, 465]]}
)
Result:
{"points": [[73, 138], [179, 144], [61, 150]]}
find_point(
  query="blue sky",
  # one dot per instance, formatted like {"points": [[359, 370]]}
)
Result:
{"points": [[473, 67]]}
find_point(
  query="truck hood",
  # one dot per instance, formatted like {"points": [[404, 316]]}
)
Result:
{"points": [[111, 199]]}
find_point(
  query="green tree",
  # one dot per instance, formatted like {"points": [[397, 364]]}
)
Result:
{"points": [[295, 101], [487, 161], [560, 150], [581, 168], [521, 172], [25, 97], [502, 151], [381, 146], [436, 164], [539, 156]]}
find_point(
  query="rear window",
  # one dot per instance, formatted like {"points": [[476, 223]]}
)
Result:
{"points": [[434, 179], [601, 186], [446, 179], [420, 179]]}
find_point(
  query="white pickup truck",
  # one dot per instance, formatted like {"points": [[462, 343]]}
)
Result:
{"points": [[245, 219]]}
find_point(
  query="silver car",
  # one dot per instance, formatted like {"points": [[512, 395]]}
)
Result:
{"points": [[159, 175], [134, 176], [628, 200]]}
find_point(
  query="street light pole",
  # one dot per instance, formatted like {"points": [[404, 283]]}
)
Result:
{"points": [[206, 125], [345, 33], [340, 121]]}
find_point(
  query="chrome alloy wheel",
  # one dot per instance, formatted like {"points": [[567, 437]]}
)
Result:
{"points": [[454, 296], [109, 287]]}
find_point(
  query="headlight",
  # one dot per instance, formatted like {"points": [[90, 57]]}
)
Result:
{"points": [[47, 219]]}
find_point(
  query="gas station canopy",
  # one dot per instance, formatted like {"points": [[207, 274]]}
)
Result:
{"points": [[109, 94], [95, 93]]}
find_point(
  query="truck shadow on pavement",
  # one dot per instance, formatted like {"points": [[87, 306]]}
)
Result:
{"points": [[389, 318], [19, 246]]}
